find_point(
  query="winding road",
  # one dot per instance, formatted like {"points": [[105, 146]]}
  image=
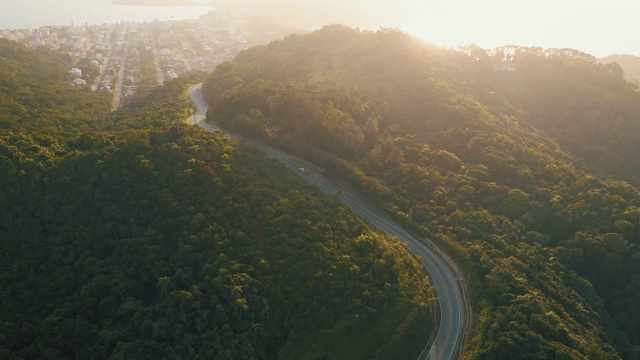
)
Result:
{"points": [[449, 284]]}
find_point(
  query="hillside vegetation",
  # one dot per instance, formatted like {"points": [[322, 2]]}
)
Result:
{"points": [[629, 63], [515, 159], [136, 236]]}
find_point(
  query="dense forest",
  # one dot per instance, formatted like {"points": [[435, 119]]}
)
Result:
{"points": [[132, 235], [520, 161]]}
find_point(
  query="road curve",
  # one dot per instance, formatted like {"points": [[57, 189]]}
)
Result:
{"points": [[448, 283]]}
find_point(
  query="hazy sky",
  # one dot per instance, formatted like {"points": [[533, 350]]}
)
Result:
{"points": [[597, 27]]}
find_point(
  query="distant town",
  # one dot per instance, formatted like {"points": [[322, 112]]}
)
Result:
{"points": [[126, 57]]}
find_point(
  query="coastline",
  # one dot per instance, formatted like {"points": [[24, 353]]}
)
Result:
{"points": [[31, 14], [161, 3]]}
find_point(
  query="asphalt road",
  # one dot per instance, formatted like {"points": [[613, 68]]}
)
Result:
{"points": [[448, 283]]}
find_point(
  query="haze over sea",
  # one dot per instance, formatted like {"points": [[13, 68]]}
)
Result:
{"points": [[36, 13]]}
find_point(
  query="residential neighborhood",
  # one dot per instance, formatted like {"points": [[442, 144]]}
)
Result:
{"points": [[126, 57]]}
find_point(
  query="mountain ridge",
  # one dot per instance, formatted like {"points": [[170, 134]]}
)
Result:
{"points": [[630, 64], [512, 158]]}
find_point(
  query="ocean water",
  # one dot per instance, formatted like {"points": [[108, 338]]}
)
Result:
{"points": [[36, 13]]}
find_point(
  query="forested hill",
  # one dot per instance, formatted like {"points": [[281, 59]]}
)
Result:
{"points": [[629, 63], [34, 93], [133, 235], [511, 158], [586, 108]]}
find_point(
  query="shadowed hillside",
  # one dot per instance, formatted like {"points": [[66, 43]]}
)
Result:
{"points": [[133, 235]]}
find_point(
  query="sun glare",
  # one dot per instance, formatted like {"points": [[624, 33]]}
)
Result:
{"points": [[596, 28]]}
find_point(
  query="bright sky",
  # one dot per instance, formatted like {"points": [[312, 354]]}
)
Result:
{"points": [[597, 27]]}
